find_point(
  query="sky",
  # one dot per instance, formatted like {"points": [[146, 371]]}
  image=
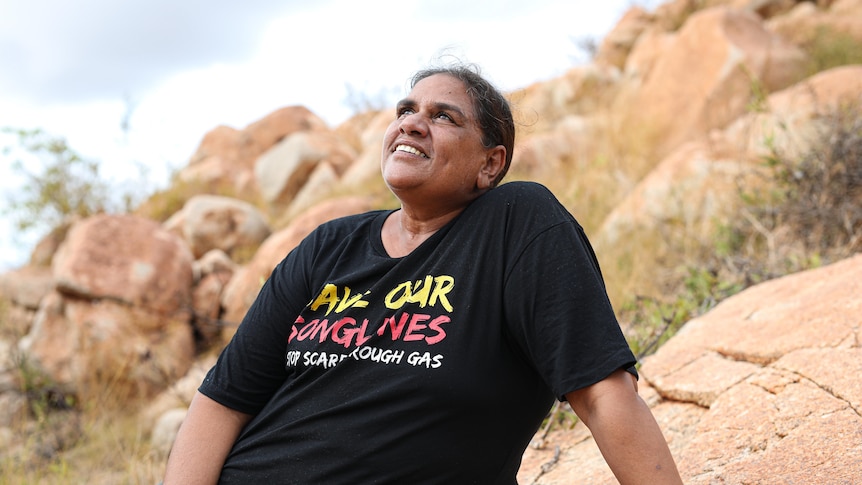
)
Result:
{"points": [[135, 83]]}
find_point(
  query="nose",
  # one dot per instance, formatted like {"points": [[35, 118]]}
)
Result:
{"points": [[413, 124]]}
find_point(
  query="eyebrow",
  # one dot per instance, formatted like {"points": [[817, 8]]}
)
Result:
{"points": [[437, 106]]}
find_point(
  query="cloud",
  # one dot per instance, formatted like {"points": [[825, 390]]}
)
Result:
{"points": [[61, 51]]}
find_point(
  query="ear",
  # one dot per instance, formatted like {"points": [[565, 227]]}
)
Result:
{"points": [[495, 159]]}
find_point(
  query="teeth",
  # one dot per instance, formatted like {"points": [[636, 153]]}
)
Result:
{"points": [[409, 149]]}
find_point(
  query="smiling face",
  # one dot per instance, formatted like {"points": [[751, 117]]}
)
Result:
{"points": [[433, 152]]}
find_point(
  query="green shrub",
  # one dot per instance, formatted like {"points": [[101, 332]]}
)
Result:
{"points": [[830, 48]]}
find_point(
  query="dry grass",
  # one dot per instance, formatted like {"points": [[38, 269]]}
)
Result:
{"points": [[95, 446]]}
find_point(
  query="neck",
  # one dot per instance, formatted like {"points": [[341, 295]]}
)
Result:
{"points": [[406, 229]]}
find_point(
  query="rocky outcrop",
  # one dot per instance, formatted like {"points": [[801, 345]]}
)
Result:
{"points": [[704, 78], [226, 155], [120, 309], [126, 259], [698, 183], [677, 112], [208, 222], [283, 170], [762, 389]]}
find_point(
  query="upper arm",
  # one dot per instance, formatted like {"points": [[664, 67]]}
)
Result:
{"points": [[205, 438], [619, 387]]}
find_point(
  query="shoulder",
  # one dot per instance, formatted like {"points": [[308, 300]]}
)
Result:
{"points": [[530, 201], [523, 191], [347, 224], [337, 231]]}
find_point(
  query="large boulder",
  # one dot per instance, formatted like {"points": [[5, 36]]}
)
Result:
{"points": [[120, 312], [698, 183], [705, 78], [806, 21], [27, 285], [23, 288], [618, 43], [208, 222], [764, 388], [125, 258], [90, 347], [226, 156], [282, 171]]}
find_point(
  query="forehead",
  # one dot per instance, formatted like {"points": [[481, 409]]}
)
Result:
{"points": [[442, 88]]}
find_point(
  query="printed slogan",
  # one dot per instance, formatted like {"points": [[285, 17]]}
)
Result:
{"points": [[428, 325]]}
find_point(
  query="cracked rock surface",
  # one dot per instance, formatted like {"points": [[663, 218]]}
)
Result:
{"points": [[765, 388]]}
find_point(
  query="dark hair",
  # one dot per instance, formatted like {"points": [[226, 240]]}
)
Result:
{"points": [[492, 109]]}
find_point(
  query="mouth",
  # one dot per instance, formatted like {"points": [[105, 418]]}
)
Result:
{"points": [[409, 149]]}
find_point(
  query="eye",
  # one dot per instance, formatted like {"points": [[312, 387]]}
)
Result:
{"points": [[404, 111], [445, 117]]}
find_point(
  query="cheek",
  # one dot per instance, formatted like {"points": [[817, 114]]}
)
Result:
{"points": [[391, 133]]}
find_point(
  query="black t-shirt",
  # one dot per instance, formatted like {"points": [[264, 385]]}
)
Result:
{"points": [[437, 367]]}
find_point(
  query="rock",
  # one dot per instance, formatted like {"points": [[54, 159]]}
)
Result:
{"points": [[581, 91], [805, 22], [14, 406], [209, 222], [691, 187], [770, 8], [318, 186], [649, 48], [261, 135], [283, 170], [764, 385], [351, 130], [213, 271], [91, 346], [43, 252], [221, 141], [127, 259], [367, 164], [179, 395], [698, 183], [206, 302], [165, 430], [226, 156], [617, 44], [704, 79], [213, 261], [26, 286], [798, 339]]}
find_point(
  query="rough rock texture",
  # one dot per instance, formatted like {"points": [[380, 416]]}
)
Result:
{"points": [[84, 346], [26, 286], [226, 155], [209, 222], [127, 259], [282, 170], [765, 388], [806, 21], [120, 309], [699, 181], [214, 270], [702, 81]]}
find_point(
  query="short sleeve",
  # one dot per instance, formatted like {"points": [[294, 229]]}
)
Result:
{"points": [[558, 311], [251, 367]]}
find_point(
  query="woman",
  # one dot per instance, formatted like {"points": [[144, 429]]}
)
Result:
{"points": [[425, 344]]}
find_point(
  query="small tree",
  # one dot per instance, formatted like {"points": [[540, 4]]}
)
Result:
{"points": [[64, 186]]}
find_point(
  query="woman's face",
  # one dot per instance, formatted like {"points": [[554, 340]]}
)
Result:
{"points": [[433, 152]]}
